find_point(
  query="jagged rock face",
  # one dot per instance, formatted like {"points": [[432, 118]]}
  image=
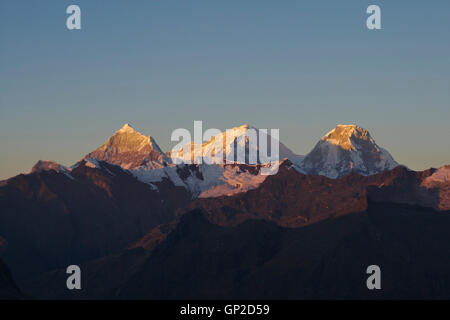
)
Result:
{"points": [[347, 149], [130, 150]]}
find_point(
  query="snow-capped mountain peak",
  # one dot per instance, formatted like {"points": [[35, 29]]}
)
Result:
{"points": [[228, 142], [130, 149], [126, 128], [346, 136], [346, 149]]}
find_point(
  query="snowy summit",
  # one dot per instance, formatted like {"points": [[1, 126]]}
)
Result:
{"points": [[347, 149], [130, 150]]}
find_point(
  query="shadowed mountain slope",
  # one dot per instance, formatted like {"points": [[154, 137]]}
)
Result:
{"points": [[261, 260], [52, 219], [8, 289]]}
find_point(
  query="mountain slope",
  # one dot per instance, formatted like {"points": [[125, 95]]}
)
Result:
{"points": [[346, 149], [324, 260], [293, 226], [440, 182], [293, 199], [260, 260], [51, 219]]}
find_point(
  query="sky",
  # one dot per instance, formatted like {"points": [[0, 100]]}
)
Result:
{"points": [[300, 66]]}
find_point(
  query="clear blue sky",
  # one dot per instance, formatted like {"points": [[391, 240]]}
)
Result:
{"points": [[301, 66]]}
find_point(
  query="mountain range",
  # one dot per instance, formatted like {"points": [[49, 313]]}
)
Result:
{"points": [[346, 149], [129, 211]]}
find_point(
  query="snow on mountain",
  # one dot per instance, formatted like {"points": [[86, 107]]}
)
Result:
{"points": [[141, 156], [347, 149], [213, 176], [205, 180], [228, 143], [130, 150]]}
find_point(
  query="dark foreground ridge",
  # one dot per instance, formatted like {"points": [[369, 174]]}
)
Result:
{"points": [[261, 260]]}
